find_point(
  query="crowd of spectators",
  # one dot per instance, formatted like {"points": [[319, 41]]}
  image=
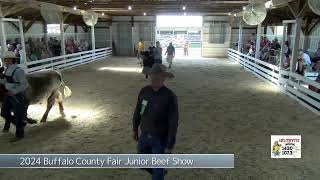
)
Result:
{"points": [[270, 52], [40, 48]]}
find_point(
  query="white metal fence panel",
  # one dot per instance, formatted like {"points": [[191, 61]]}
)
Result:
{"points": [[68, 61], [294, 85]]}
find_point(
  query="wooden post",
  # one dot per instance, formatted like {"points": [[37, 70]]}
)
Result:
{"points": [[257, 54], [23, 45], [63, 43], [240, 36], [284, 37], [296, 44]]}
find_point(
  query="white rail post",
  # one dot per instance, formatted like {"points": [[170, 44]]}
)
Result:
{"points": [[3, 38], [257, 53], [110, 33], [23, 45], [296, 45], [93, 42], [240, 36], [284, 37], [63, 43]]}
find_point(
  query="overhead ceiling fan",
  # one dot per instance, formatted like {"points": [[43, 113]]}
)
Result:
{"points": [[254, 13], [90, 18], [314, 6], [51, 13]]}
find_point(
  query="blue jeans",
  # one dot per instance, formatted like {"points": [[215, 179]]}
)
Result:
{"points": [[152, 145]]}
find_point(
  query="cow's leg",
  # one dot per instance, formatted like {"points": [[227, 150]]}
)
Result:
{"points": [[50, 103], [29, 120], [61, 109], [59, 100]]}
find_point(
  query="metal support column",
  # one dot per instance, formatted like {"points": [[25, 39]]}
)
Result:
{"points": [[257, 53], [63, 43], [296, 44], [240, 36], [23, 58]]}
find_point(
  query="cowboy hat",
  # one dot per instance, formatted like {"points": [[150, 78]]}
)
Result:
{"points": [[9, 55], [159, 70]]}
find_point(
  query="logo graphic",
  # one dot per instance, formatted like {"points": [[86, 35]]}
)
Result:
{"points": [[285, 146]]}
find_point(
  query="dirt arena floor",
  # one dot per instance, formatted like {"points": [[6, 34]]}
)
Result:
{"points": [[223, 109]]}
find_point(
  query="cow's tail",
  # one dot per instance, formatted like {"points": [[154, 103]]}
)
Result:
{"points": [[66, 90]]}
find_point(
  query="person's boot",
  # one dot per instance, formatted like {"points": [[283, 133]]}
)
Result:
{"points": [[31, 121], [6, 128], [15, 139]]}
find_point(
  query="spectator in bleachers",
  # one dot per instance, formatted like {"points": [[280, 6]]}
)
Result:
{"points": [[286, 62], [300, 68], [70, 46], [17, 50], [252, 49], [84, 46], [286, 47], [275, 44], [45, 54], [306, 60], [264, 42], [317, 69]]}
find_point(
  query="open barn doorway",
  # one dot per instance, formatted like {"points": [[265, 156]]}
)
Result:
{"points": [[183, 31]]}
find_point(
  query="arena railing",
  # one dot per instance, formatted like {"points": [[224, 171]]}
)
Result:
{"points": [[69, 60], [292, 84]]}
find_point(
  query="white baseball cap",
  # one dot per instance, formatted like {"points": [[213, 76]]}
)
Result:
{"points": [[9, 54]]}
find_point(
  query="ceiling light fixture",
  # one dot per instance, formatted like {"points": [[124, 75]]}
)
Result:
{"points": [[184, 14], [74, 7], [144, 14], [184, 8], [102, 14], [129, 8]]}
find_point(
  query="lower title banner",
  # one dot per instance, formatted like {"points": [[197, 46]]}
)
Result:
{"points": [[116, 161]]}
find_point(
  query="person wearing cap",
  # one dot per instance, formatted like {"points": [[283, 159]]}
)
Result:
{"points": [[15, 82], [157, 115]]}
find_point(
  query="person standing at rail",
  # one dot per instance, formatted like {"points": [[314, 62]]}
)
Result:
{"points": [[170, 54], [157, 115]]}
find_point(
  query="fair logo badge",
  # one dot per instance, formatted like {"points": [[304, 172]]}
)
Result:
{"points": [[285, 146]]}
